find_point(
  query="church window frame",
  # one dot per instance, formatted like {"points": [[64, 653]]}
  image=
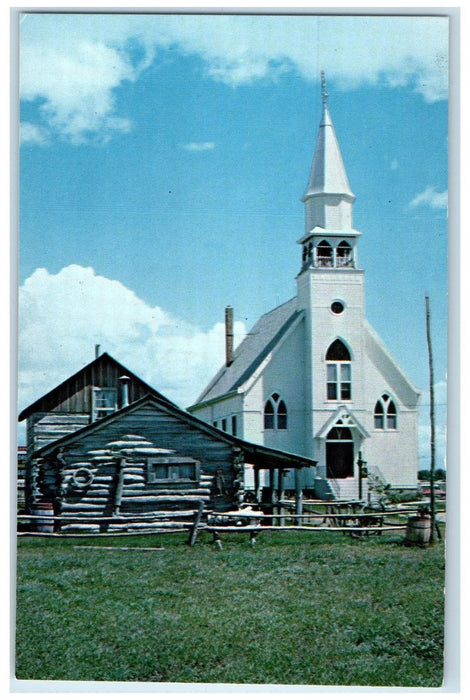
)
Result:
{"points": [[385, 413], [344, 255], [338, 372], [324, 254], [337, 307], [275, 414]]}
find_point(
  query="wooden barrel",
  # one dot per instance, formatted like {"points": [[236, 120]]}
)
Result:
{"points": [[46, 525], [418, 529]]}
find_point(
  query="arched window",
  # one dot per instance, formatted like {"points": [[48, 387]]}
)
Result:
{"points": [[385, 413], [379, 416], [344, 255], [275, 413], [324, 254], [338, 372]]}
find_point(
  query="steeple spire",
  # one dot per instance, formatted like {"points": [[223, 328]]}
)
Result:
{"points": [[324, 93], [328, 197]]}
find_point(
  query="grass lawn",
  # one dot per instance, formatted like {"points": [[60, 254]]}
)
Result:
{"points": [[315, 609]]}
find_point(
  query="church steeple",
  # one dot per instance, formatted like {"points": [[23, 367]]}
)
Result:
{"points": [[328, 197], [328, 175]]}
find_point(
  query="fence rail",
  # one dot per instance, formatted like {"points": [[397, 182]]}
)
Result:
{"points": [[322, 516]]}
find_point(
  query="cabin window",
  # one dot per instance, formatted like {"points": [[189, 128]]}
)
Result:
{"points": [[338, 372], [234, 425], [224, 425], [166, 470], [275, 413], [104, 401], [385, 413]]}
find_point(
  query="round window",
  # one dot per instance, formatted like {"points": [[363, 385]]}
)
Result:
{"points": [[337, 307]]}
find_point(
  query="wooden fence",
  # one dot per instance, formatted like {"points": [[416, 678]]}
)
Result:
{"points": [[344, 517], [48, 525]]}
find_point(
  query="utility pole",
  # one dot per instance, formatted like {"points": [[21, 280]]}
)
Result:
{"points": [[431, 415]]}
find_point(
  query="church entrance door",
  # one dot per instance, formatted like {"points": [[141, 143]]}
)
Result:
{"points": [[339, 453]]}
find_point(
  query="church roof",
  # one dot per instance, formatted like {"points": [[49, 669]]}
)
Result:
{"points": [[328, 174], [259, 342]]}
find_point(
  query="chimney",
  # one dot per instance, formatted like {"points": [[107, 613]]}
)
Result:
{"points": [[97, 351], [124, 382], [228, 336]]}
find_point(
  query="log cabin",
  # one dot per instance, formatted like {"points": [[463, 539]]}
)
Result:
{"points": [[146, 457], [95, 391]]}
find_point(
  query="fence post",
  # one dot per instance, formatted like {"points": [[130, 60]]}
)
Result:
{"points": [[195, 525]]}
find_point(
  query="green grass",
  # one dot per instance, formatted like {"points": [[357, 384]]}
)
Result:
{"points": [[296, 609]]}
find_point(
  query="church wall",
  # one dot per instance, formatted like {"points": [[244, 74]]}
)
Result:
{"points": [[284, 375], [373, 373], [395, 452], [224, 410]]}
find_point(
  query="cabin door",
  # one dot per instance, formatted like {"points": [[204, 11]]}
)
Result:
{"points": [[339, 454]]}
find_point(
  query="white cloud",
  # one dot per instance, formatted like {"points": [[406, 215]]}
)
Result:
{"points": [[394, 164], [75, 83], [63, 316], [430, 198], [72, 63], [30, 133], [198, 146]]}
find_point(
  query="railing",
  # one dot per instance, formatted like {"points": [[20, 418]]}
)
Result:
{"points": [[46, 524], [344, 262], [328, 261], [324, 261]]}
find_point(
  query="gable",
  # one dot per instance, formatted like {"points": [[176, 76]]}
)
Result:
{"points": [[74, 394], [394, 376], [345, 418]]}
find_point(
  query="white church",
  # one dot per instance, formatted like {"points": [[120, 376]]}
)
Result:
{"points": [[312, 377]]}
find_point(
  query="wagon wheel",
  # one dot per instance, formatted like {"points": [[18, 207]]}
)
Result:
{"points": [[376, 513]]}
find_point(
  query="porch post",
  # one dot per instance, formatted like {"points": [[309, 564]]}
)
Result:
{"points": [[271, 485], [281, 496], [256, 475], [298, 492]]}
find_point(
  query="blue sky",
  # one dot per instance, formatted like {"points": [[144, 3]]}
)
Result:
{"points": [[162, 162]]}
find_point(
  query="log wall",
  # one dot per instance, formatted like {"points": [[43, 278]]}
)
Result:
{"points": [[117, 456]]}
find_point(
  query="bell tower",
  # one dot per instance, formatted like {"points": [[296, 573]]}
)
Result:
{"points": [[330, 283], [329, 240]]}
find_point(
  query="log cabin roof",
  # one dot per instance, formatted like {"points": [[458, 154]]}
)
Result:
{"points": [[84, 376], [260, 456], [259, 342]]}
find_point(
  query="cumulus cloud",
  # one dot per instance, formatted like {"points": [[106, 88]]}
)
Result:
{"points": [[430, 198], [63, 316], [72, 63], [198, 146], [74, 83], [32, 134]]}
